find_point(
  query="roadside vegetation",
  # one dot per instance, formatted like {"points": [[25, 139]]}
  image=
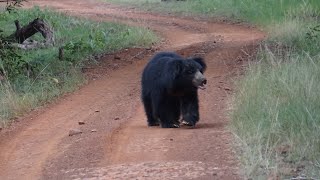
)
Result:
{"points": [[30, 78], [276, 109]]}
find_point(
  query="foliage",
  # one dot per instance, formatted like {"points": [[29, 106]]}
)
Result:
{"points": [[10, 61], [313, 35]]}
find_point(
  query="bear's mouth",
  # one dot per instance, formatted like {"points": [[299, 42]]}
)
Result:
{"points": [[199, 80], [202, 86]]}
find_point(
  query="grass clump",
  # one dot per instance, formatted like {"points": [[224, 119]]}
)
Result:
{"points": [[22, 90]]}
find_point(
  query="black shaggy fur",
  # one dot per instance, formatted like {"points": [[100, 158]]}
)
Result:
{"points": [[167, 89]]}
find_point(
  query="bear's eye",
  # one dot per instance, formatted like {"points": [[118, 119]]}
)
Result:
{"points": [[190, 71]]}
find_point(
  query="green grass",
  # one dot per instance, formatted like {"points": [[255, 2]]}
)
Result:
{"points": [[51, 77], [257, 11], [276, 108]]}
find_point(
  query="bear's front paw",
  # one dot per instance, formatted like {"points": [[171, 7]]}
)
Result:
{"points": [[170, 125], [184, 122]]}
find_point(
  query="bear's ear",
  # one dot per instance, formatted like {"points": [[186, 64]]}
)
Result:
{"points": [[200, 61]]}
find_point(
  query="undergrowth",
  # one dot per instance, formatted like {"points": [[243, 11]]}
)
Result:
{"points": [[29, 78]]}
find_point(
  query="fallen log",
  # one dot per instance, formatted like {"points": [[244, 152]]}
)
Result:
{"points": [[37, 25], [22, 34]]}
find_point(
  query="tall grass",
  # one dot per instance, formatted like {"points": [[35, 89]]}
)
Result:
{"points": [[276, 114], [81, 39], [276, 110]]}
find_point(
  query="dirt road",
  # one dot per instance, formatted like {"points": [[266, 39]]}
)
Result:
{"points": [[115, 142]]}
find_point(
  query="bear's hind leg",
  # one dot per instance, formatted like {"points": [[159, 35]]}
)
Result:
{"points": [[152, 121]]}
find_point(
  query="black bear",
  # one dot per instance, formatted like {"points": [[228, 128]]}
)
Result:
{"points": [[170, 87]]}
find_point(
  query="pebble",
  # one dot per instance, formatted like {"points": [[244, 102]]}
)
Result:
{"points": [[73, 132]]}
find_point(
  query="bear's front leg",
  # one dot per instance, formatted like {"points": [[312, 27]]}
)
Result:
{"points": [[169, 125], [170, 119], [170, 113], [190, 109]]}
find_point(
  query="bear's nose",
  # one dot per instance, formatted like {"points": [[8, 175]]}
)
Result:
{"points": [[204, 81]]}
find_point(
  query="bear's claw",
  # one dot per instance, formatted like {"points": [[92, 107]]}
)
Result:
{"points": [[187, 123], [170, 125]]}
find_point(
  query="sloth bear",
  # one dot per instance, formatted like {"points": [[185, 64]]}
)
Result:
{"points": [[170, 87]]}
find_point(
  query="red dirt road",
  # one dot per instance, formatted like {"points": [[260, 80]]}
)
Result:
{"points": [[122, 146]]}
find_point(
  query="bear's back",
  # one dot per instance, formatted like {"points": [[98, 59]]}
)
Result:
{"points": [[158, 65]]}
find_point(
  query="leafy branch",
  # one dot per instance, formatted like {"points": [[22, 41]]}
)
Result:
{"points": [[7, 53]]}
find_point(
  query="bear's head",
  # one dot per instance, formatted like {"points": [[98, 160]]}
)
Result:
{"points": [[188, 74], [196, 69]]}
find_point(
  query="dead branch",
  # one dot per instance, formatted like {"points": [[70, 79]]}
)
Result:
{"points": [[37, 25], [22, 34]]}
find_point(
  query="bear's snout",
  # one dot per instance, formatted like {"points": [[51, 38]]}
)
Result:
{"points": [[199, 80], [204, 81]]}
